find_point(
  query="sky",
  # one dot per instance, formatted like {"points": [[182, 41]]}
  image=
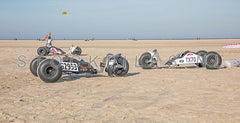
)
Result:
{"points": [[120, 19]]}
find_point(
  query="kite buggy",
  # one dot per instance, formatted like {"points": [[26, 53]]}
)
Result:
{"points": [[51, 70], [210, 60], [44, 51]]}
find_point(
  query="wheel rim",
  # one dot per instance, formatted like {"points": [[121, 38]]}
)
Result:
{"points": [[146, 61], [41, 51], [50, 71], [212, 60], [119, 71]]}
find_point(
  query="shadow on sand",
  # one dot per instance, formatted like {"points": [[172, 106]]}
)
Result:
{"points": [[132, 74], [185, 67], [66, 54], [72, 77]]}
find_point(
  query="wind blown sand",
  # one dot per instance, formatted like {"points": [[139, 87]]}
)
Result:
{"points": [[156, 95]]}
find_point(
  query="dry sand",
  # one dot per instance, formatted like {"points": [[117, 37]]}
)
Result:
{"points": [[157, 95]]}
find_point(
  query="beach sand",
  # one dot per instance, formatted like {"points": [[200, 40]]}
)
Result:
{"points": [[157, 95]]}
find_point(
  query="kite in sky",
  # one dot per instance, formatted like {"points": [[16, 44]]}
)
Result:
{"points": [[64, 13]]}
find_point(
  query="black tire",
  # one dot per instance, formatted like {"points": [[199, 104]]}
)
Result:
{"points": [[48, 49], [121, 71], [34, 64], [201, 53], [212, 60], [49, 70], [42, 51], [143, 61], [77, 51]]}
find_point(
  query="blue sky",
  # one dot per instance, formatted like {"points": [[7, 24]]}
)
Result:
{"points": [[120, 19]]}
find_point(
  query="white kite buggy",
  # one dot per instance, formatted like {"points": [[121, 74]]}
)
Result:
{"points": [[210, 60], [44, 51]]}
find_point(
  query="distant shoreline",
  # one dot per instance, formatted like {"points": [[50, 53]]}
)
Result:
{"points": [[135, 39]]}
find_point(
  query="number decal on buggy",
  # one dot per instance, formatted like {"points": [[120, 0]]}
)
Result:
{"points": [[191, 59], [69, 66]]}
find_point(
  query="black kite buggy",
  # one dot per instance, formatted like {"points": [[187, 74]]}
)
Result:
{"points": [[210, 60], [51, 70]]}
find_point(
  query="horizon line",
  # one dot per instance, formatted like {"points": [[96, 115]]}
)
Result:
{"points": [[125, 39]]}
